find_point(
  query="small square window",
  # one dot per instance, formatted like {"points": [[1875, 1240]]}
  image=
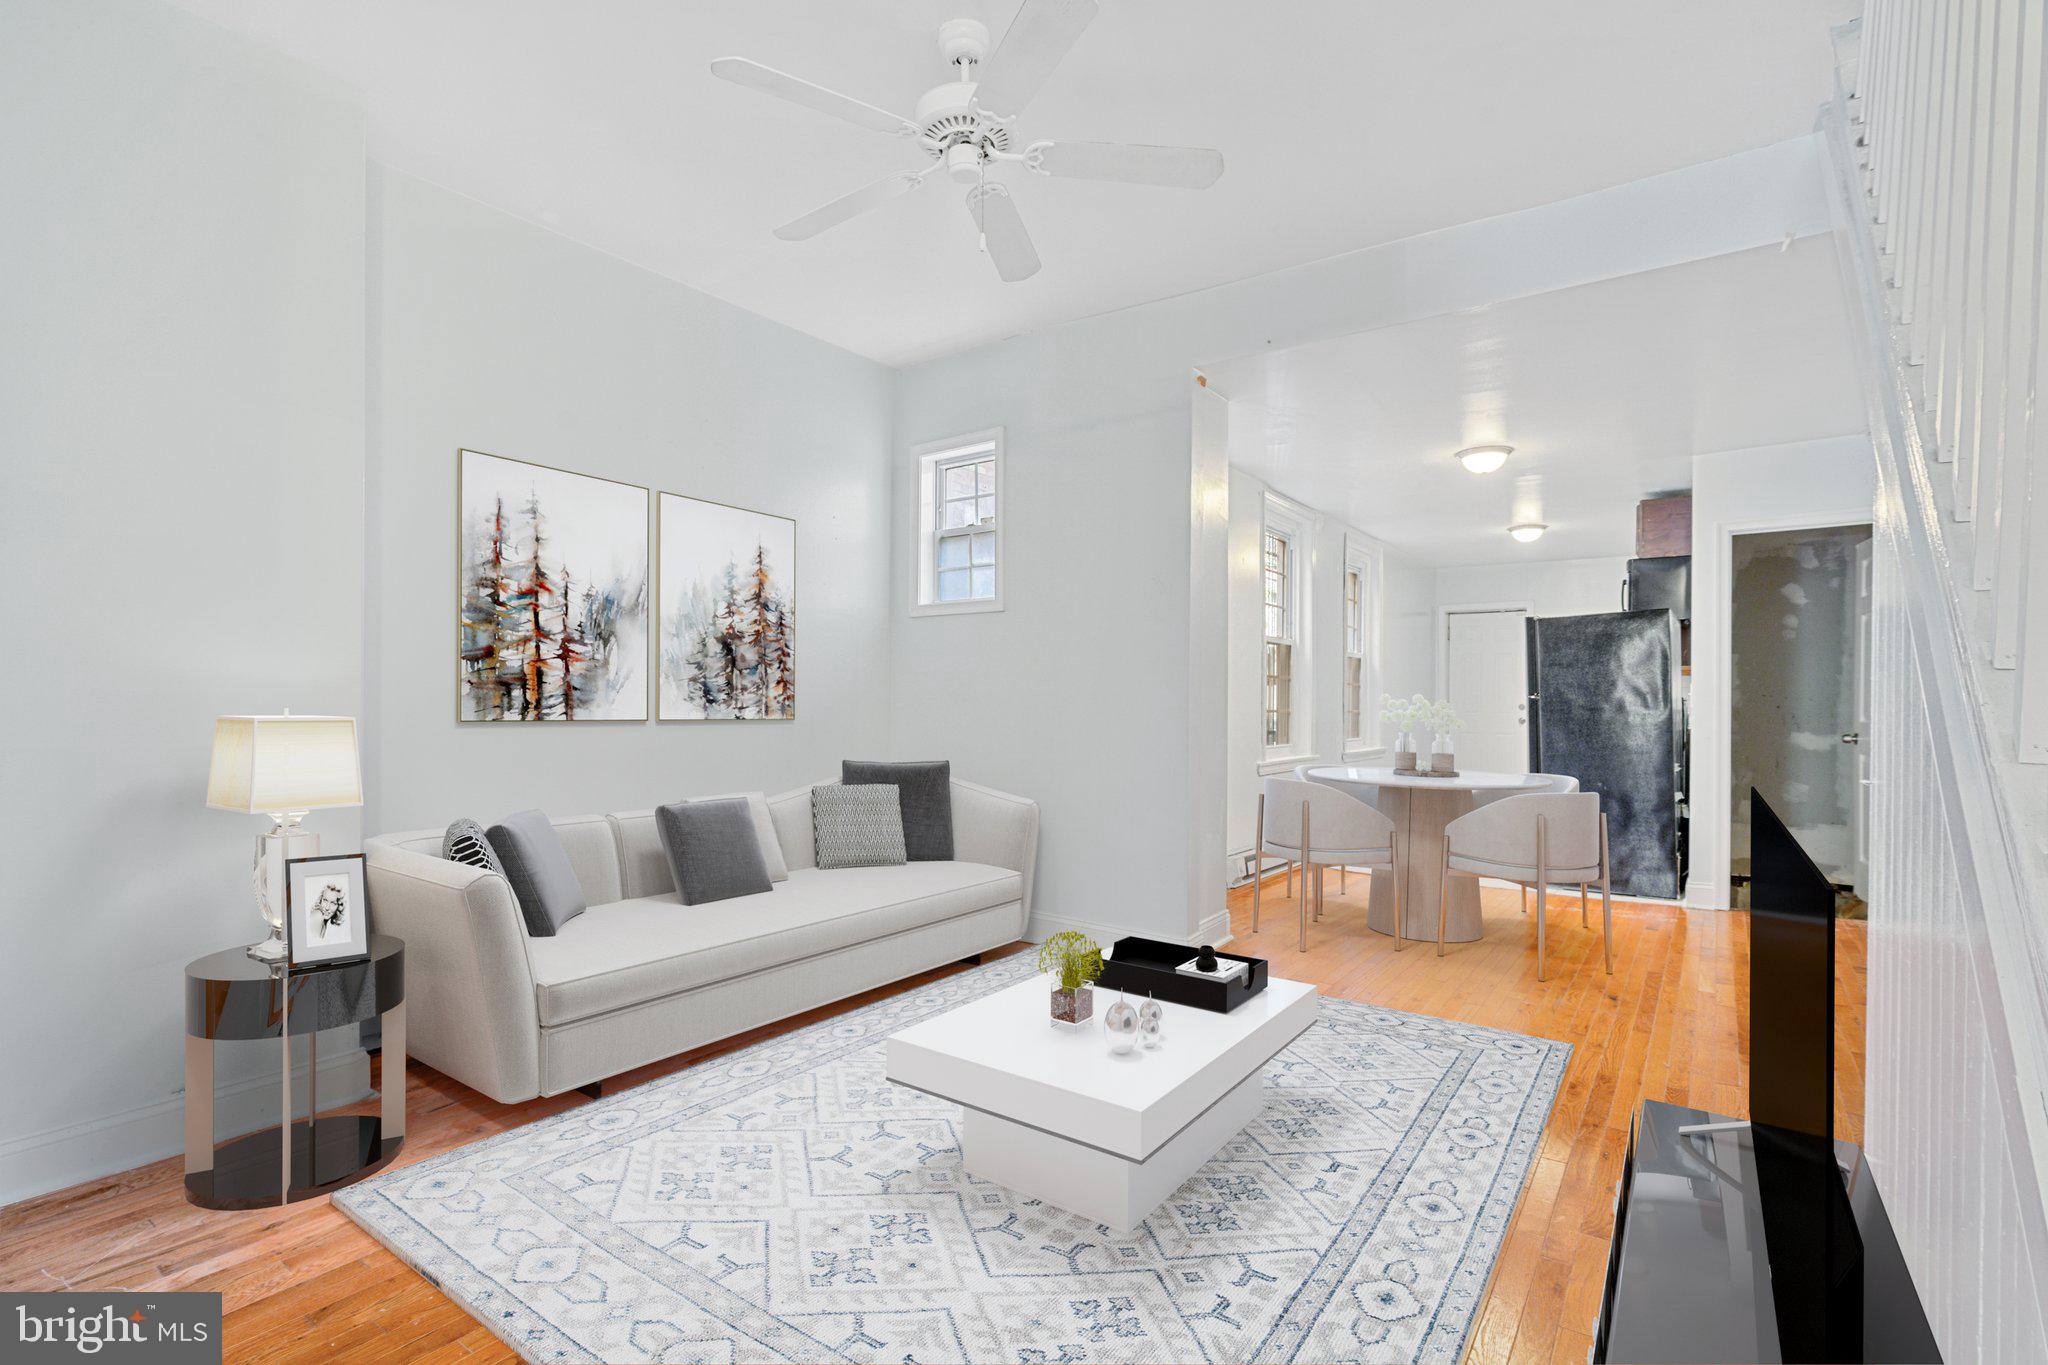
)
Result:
{"points": [[959, 557]]}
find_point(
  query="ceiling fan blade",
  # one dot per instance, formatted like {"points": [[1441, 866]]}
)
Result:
{"points": [[1002, 232], [850, 206], [782, 85], [1036, 41], [1187, 168]]}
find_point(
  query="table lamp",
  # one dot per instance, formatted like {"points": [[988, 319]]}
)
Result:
{"points": [[282, 766]]}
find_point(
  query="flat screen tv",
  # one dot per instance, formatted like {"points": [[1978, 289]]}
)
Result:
{"points": [[1810, 1230], [1791, 981]]}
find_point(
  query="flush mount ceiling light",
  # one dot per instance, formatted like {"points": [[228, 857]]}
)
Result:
{"points": [[1526, 531], [1484, 459]]}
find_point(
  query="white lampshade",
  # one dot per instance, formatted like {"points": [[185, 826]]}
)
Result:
{"points": [[264, 764]]}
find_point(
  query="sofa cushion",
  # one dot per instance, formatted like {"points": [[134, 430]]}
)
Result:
{"points": [[613, 956], [543, 880], [713, 851], [856, 826], [643, 863], [925, 791]]}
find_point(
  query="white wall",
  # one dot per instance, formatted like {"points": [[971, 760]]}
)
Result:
{"points": [[494, 334], [1090, 685], [181, 354], [1549, 587], [1405, 611], [1809, 483]]}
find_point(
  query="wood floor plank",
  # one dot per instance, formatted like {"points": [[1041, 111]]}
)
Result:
{"points": [[304, 1284]]}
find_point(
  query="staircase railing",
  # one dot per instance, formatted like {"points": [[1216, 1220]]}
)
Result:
{"points": [[1938, 146]]}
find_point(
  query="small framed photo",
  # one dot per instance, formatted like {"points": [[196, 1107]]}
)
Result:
{"points": [[326, 909]]}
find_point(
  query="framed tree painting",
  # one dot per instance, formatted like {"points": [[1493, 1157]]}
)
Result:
{"points": [[727, 600], [553, 594]]}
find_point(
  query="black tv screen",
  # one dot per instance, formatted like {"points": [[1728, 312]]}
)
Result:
{"points": [[1791, 980]]}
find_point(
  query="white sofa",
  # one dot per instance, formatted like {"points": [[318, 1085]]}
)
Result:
{"points": [[640, 976]]}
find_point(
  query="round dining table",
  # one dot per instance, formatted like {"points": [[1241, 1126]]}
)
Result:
{"points": [[1420, 806]]}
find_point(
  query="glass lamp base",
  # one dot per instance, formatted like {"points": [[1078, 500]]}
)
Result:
{"points": [[284, 841]]}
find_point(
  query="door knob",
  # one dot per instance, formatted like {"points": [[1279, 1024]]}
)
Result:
{"points": [[1852, 738]]}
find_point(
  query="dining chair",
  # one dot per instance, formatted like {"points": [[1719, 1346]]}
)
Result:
{"points": [[1539, 840], [1321, 827], [1357, 791], [1550, 782]]}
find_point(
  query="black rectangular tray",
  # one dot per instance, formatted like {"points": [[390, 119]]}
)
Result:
{"points": [[1145, 967]]}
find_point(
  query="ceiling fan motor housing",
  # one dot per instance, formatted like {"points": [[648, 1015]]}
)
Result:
{"points": [[955, 132]]}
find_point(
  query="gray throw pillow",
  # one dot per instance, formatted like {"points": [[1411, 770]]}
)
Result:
{"points": [[538, 867], [713, 850], [764, 830], [926, 794], [857, 826], [466, 843]]}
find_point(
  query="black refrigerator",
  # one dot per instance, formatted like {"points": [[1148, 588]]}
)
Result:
{"points": [[1603, 707]]}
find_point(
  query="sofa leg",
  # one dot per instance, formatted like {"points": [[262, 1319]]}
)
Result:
{"points": [[595, 1090], [971, 960]]}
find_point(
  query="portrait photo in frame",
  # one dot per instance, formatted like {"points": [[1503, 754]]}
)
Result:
{"points": [[326, 909]]}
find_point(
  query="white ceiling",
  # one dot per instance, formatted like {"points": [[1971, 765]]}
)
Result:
{"points": [[1606, 391], [1344, 123]]}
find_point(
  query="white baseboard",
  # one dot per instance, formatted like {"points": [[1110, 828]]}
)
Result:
{"points": [[38, 1163]]}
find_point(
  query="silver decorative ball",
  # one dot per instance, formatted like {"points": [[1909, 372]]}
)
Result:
{"points": [[1151, 1024], [1120, 1022]]}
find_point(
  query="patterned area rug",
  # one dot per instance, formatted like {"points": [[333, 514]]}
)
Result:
{"points": [[788, 1202]]}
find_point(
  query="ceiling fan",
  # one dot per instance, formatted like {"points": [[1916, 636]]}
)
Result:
{"points": [[964, 127]]}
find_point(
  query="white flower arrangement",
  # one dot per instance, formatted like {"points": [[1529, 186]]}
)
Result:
{"points": [[1419, 713]]}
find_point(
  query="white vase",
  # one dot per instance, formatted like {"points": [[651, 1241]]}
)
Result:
{"points": [[1404, 752], [1442, 756]]}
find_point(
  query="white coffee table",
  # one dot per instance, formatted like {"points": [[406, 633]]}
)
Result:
{"points": [[1050, 1113]]}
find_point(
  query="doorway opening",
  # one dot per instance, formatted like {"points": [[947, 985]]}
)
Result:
{"points": [[1799, 697]]}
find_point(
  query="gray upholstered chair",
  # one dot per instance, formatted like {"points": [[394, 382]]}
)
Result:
{"points": [[1321, 827], [1552, 782], [1541, 840], [1358, 791]]}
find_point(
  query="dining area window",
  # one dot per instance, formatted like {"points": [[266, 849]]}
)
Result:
{"points": [[1277, 574]]}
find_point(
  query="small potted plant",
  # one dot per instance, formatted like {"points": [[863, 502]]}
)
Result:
{"points": [[1402, 715], [1072, 960], [1444, 724]]}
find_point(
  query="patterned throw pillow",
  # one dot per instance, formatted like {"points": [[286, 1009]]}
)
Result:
{"points": [[465, 843], [857, 826]]}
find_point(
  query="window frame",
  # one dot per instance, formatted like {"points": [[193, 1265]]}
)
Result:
{"points": [[1366, 559], [930, 463], [1293, 524]]}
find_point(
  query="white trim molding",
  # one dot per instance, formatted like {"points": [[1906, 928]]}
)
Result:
{"points": [[37, 1163]]}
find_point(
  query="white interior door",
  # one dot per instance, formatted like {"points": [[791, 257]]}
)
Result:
{"points": [[1486, 677]]}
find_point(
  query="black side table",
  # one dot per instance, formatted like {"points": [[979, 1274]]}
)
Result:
{"points": [[231, 995]]}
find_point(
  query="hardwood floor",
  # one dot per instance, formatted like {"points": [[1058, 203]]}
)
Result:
{"points": [[305, 1284]]}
